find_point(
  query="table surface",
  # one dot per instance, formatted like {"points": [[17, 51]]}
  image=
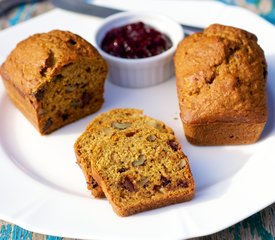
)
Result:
{"points": [[259, 226]]}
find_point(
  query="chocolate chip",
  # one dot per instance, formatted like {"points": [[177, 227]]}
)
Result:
{"points": [[49, 63], [67, 65], [82, 85], [86, 98], [57, 77], [65, 116], [174, 145], [265, 73], [71, 41], [43, 71], [121, 170], [127, 184], [39, 94], [88, 69], [182, 183], [93, 183], [164, 181], [130, 134], [156, 187], [47, 125]]}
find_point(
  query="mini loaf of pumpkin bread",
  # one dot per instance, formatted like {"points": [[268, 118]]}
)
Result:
{"points": [[136, 160], [221, 82], [55, 78]]}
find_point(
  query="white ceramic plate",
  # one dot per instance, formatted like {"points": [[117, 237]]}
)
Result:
{"points": [[43, 190]]}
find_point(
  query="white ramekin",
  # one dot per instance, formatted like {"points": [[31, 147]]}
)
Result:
{"points": [[144, 72]]}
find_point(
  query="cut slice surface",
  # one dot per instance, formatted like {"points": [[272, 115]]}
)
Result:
{"points": [[137, 161]]}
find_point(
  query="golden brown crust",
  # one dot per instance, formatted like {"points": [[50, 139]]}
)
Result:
{"points": [[223, 133], [221, 78], [136, 160], [42, 55], [58, 75]]}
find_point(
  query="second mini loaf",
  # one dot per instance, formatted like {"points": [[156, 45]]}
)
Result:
{"points": [[221, 82]]}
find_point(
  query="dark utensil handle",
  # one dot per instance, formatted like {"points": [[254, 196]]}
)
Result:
{"points": [[91, 9]]}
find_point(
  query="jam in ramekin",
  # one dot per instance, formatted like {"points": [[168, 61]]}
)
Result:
{"points": [[135, 40]]}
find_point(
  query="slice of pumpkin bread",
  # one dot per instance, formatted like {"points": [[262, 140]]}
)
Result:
{"points": [[136, 160]]}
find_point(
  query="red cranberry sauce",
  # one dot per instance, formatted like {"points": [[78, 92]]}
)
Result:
{"points": [[135, 40]]}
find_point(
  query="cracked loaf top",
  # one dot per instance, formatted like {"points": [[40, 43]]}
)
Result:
{"points": [[221, 77], [42, 55]]}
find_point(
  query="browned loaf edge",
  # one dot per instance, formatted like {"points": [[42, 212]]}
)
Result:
{"points": [[138, 163], [221, 82], [92, 185], [54, 78]]}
